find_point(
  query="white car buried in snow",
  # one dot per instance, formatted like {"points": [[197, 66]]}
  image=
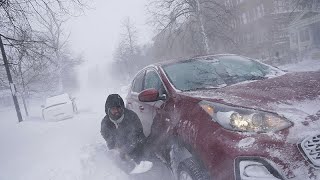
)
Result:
{"points": [[59, 107]]}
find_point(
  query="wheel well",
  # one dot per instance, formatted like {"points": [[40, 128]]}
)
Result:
{"points": [[194, 169], [179, 152]]}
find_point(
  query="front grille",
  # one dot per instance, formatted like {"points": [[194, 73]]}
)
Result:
{"points": [[311, 148]]}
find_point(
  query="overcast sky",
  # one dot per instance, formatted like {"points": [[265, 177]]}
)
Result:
{"points": [[96, 33]]}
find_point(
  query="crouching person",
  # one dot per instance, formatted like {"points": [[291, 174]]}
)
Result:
{"points": [[122, 130]]}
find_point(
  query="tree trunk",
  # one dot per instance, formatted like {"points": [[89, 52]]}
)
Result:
{"points": [[202, 29]]}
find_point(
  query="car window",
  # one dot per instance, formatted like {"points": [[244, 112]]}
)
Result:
{"points": [[138, 83], [152, 80]]}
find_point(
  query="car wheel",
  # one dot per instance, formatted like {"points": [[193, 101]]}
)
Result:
{"points": [[189, 169]]}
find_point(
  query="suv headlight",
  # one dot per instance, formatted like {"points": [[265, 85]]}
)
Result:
{"points": [[245, 120]]}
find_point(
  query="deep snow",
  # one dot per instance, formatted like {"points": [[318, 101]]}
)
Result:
{"points": [[66, 150], [71, 149]]}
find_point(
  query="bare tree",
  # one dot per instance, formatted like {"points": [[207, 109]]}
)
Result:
{"points": [[54, 37], [33, 34], [128, 51], [16, 14], [34, 17], [304, 4], [129, 36], [36, 70], [193, 19]]}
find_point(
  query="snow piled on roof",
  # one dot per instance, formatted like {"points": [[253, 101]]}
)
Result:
{"points": [[62, 98]]}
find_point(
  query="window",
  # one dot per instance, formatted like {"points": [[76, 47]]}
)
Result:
{"points": [[138, 83], [152, 80], [262, 10], [292, 38], [244, 18], [254, 14], [248, 16], [258, 12], [304, 35]]}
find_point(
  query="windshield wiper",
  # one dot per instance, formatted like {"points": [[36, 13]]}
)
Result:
{"points": [[257, 78], [208, 87]]}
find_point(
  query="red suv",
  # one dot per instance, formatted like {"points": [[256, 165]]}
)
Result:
{"points": [[229, 117]]}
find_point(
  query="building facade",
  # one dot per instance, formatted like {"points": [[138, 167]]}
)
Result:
{"points": [[261, 27], [305, 35]]}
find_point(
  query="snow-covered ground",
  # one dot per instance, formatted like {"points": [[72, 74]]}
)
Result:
{"points": [[72, 149], [66, 150]]}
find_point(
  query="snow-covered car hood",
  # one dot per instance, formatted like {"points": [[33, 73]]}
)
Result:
{"points": [[293, 95]]}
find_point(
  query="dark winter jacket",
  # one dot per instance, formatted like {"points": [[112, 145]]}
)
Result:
{"points": [[127, 136]]}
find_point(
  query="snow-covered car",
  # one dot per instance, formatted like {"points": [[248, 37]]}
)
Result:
{"points": [[228, 117], [59, 107]]}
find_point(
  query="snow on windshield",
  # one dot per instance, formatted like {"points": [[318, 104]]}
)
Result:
{"points": [[216, 72]]}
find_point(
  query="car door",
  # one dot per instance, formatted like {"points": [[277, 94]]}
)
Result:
{"points": [[159, 115], [133, 102], [149, 110]]}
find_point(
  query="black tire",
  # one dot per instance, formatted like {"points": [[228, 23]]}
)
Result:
{"points": [[192, 169]]}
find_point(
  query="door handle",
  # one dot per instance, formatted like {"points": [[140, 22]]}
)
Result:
{"points": [[141, 107]]}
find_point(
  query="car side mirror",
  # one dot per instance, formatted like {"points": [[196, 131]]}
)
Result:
{"points": [[149, 95]]}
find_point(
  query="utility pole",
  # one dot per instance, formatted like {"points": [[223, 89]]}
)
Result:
{"points": [[12, 86]]}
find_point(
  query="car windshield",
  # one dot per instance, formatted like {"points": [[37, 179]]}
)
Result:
{"points": [[216, 72]]}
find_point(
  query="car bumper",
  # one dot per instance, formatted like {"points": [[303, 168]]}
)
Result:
{"points": [[284, 160]]}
